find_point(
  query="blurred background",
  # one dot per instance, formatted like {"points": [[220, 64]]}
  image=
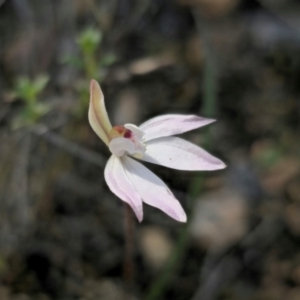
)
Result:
{"points": [[61, 229]]}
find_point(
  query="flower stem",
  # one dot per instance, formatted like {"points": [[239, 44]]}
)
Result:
{"points": [[128, 267]]}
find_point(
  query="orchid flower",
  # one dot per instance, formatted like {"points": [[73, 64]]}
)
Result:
{"points": [[153, 142]]}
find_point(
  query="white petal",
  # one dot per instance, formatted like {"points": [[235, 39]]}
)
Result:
{"points": [[120, 185], [98, 118], [167, 125], [153, 190], [119, 146], [179, 154]]}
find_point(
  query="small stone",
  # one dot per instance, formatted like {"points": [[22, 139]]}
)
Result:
{"points": [[4, 293], [156, 246], [219, 220], [105, 289]]}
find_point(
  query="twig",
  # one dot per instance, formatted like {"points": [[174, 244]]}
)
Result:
{"points": [[18, 198], [128, 271], [68, 146], [227, 268]]}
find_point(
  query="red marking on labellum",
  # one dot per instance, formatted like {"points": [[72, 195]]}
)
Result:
{"points": [[120, 131], [128, 134]]}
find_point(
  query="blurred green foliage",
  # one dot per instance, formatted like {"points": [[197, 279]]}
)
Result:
{"points": [[29, 91], [269, 156], [91, 61], [89, 40]]}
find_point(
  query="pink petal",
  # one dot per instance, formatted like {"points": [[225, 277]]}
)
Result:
{"points": [[98, 118], [167, 125], [153, 190], [176, 153], [120, 185]]}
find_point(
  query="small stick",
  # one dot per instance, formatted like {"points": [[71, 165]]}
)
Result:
{"points": [[128, 271]]}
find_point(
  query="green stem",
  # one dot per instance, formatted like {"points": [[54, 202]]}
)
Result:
{"points": [[90, 65], [160, 284], [209, 109]]}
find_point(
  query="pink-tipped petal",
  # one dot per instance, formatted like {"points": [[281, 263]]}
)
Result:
{"points": [[153, 190], [176, 153], [121, 186], [167, 125], [98, 117]]}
